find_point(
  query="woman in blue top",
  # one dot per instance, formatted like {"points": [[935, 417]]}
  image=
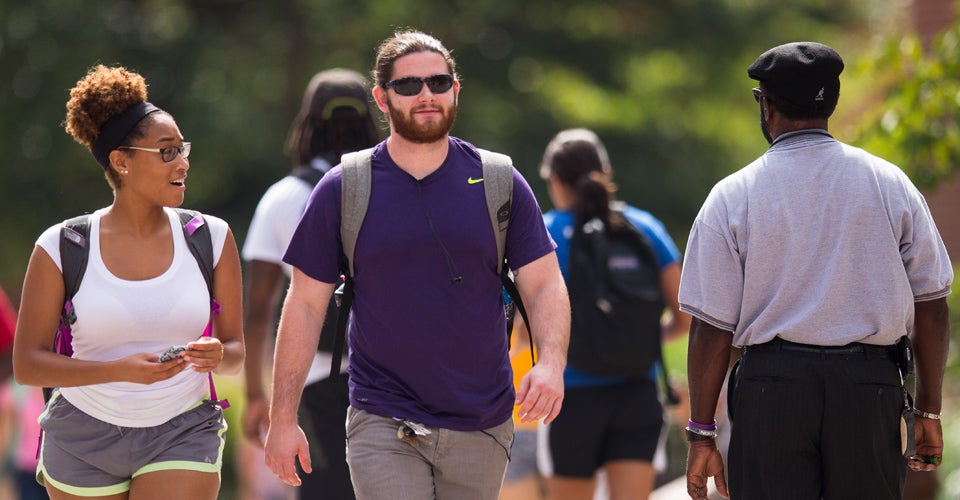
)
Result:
{"points": [[608, 422]]}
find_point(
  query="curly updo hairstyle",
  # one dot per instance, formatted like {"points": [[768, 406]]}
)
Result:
{"points": [[100, 95]]}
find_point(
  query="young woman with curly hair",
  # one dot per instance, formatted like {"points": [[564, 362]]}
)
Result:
{"points": [[121, 424]]}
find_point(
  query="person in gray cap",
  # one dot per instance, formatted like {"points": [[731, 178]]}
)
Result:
{"points": [[336, 117], [822, 264]]}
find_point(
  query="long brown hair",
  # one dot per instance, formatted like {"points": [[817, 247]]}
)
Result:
{"points": [[336, 117], [577, 159]]}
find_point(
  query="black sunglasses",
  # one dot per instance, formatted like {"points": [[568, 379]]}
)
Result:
{"points": [[413, 85], [758, 94]]}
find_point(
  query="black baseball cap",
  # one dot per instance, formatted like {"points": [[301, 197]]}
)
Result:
{"points": [[336, 88], [805, 74]]}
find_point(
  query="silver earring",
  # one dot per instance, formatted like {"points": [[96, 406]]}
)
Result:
{"points": [[124, 172]]}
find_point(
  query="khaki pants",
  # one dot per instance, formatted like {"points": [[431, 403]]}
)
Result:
{"points": [[445, 464]]}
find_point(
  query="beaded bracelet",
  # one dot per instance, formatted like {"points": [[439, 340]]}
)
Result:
{"points": [[922, 414]]}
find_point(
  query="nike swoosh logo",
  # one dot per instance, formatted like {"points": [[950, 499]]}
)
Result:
{"points": [[471, 180]]}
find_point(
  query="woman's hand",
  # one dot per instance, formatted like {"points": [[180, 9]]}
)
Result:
{"points": [[143, 368], [205, 353]]}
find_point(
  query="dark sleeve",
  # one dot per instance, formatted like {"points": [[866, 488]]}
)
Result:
{"points": [[315, 246]]}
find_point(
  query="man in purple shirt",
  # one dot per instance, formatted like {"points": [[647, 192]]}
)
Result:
{"points": [[431, 391]]}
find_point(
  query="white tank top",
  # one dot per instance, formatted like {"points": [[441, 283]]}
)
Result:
{"points": [[117, 318]]}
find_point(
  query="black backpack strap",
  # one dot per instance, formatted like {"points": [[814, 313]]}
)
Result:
{"points": [[670, 396], [308, 175], [200, 242], [74, 252], [344, 300], [511, 288]]}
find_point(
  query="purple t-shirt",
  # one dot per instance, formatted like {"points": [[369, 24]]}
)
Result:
{"points": [[425, 345]]}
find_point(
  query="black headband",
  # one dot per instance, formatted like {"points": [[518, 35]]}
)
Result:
{"points": [[116, 129]]}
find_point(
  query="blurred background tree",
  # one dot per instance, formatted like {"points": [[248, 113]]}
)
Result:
{"points": [[663, 83], [917, 126]]}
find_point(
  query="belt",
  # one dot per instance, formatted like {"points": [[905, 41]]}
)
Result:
{"points": [[778, 344]]}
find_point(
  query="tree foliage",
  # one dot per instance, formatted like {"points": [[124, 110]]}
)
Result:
{"points": [[663, 83], [917, 125]]}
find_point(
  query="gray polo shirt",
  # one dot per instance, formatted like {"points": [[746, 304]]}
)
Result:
{"points": [[817, 242]]}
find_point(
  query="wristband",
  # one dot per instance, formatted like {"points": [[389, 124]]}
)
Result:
{"points": [[922, 414], [702, 427]]}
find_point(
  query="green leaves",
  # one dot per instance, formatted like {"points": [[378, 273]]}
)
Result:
{"points": [[914, 124]]}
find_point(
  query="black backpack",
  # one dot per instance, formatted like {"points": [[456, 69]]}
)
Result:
{"points": [[616, 300]]}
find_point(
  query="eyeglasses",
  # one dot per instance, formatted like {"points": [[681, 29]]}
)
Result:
{"points": [[412, 85], [167, 154], [757, 94]]}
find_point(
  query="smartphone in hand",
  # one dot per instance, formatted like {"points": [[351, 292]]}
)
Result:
{"points": [[172, 352]]}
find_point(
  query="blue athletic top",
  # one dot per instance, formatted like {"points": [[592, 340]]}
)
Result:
{"points": [[427, 330], [560, 225]]}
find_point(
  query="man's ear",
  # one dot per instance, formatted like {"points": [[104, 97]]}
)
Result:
{"points": [[380, 97]]}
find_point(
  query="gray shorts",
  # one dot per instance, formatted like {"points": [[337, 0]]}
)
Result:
{"points": [[444, 465], [84, 456]]}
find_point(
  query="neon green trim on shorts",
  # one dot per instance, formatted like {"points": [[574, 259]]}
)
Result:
{"points": [[79, 491], [179, 465]]}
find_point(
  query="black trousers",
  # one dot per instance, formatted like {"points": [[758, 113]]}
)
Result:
{"points": [[810, 426], [323, 416]]}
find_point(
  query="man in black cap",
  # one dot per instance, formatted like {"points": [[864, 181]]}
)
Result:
{"points": [[336, 117], [821, 262]]}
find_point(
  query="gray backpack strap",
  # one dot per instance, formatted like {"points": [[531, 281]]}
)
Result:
{"points": [[498, 188], [354, 198]]}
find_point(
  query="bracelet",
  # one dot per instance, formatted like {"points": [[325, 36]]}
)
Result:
{"points": [[922, 414], [700, 432], [698, 435], [702, 427]]}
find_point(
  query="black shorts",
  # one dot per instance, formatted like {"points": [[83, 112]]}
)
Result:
{"points": [[605, 423]]}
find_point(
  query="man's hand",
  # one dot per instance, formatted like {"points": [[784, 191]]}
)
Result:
{"points": [[704, 461], [256, 419], [540, 394], [929, 445], [284, 444]]}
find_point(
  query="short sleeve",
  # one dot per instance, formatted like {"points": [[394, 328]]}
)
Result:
{"points": [[711, 283]]}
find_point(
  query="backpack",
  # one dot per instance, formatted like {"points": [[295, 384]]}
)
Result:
{"points": [[74, 252], [615, 299], [355, 188], [311, 176]]}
